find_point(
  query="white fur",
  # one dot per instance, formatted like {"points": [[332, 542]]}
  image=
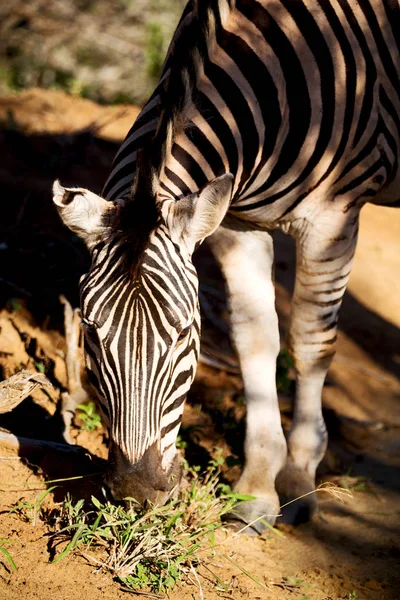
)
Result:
{"points": [[84, 215], [200, 214], [246, 259]]}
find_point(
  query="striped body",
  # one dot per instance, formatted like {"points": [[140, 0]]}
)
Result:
{"points": [[300, 102]]}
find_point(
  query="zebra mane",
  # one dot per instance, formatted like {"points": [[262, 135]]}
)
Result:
{"points": [[184, 65], [182, 69]]}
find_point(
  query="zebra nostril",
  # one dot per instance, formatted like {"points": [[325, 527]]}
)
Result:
{"points": [[107, 493], [109, 496]]}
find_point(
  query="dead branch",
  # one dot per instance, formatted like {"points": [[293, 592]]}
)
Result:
{"points": [[72, 335], [76, 394], [16, 388], [9, 440]]}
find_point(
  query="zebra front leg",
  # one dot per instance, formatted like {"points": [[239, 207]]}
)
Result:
{"points": [[325, 250], [246, 259]]}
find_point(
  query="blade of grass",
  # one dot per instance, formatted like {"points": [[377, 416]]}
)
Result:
{"points": [[9, 558], [246, 572], [72, 544]]}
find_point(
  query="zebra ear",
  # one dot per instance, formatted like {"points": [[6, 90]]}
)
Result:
{"points": [[200, 214], [85, 213]]}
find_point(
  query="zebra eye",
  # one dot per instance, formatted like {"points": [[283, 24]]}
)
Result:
{"points": [[86, 326], [184, 333]]}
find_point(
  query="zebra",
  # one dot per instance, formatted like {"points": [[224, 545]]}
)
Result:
{"points": [[269, 114]]}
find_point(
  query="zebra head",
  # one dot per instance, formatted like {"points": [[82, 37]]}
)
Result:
{"points": [[141, 322]]}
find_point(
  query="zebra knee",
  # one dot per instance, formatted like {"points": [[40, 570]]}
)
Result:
{"points": [[310, 357]]}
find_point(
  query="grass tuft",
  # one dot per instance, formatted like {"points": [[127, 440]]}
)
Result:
{"points": [[148, 549]]}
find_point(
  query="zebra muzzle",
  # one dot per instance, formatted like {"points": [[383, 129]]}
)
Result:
{"points": [[144, 481]]}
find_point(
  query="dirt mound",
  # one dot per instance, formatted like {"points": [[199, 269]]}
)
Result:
{"points": [[37, 111]]}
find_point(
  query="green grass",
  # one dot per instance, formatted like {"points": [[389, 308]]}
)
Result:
{"points": [[7, 555], [283, 365], [40, 366], [13, 304], [154, 50], [355, 483], [32, 511], [148, 549], [90, 418]]}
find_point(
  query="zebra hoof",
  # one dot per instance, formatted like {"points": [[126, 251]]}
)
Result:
{"points": [[252, 517], [297, 495]]}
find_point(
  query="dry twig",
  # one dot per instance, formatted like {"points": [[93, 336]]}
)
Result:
{"points": [[18, 443], [16, 388], [76, 393]]}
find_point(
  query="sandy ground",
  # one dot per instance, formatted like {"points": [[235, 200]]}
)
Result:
{"points": [[349, 550]]}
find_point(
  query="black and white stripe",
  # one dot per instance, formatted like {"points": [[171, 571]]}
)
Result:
{"points": [[132, 358], [290, 97]]}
